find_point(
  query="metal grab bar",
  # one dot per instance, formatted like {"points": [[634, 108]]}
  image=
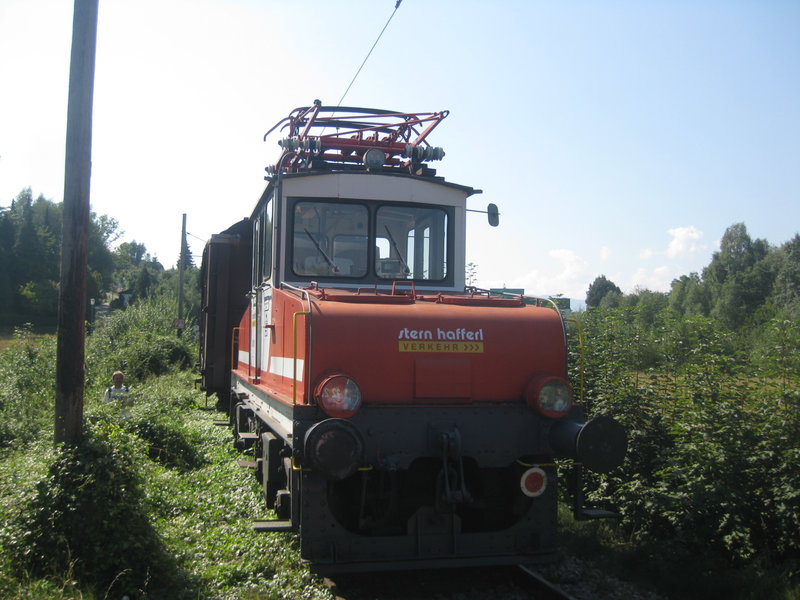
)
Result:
{"points": [[235, 348], [581, 360], [294, 352]]}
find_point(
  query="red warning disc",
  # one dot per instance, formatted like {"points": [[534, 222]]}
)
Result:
{"points": [[533, 482]]}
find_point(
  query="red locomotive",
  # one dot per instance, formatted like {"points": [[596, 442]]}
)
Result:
{"points": [[399, 419]]}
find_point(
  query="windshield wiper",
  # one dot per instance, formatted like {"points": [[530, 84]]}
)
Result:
{"points": [[322, 252], [406, 270]]}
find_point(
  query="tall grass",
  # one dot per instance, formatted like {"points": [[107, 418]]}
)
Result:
{"points": [[27, 379]]}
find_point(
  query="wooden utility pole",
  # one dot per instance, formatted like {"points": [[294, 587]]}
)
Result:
{"points": [[179, 323], [75, 227]]}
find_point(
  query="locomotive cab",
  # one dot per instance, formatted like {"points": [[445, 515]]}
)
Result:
{"points": [[398, 419], [361, 237]]}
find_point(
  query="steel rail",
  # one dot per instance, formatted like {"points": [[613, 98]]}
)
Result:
{"points": [[544, 589]]}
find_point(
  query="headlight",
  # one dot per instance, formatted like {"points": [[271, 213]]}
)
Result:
{"points": [[550, 397], [338, 395], [334, 448]]}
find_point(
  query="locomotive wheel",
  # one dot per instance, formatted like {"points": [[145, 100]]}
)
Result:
{"points": [[272, 478], [258, 454], [244, 435], [259, 468], [233, 400], [223, 403], [283, 503], [241, 421]]}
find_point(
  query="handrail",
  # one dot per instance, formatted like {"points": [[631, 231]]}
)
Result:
{"points": [[294, 357], [524, 297], [413, 295], [307, 296], [235, 348], [299, 290], [581, 359]]}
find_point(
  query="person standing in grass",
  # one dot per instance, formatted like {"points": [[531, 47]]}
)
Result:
{"points": [[119, 393]]}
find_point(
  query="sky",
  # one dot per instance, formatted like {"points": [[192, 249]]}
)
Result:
{"points": [[619, 138]]}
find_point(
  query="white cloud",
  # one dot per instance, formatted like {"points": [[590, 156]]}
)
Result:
{"points": [[565, 274], [646, 253], [656, 280], [605, 252], [572, 264], [685, 240]]}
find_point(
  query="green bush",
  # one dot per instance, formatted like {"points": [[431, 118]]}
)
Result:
{"points": [[713, 438], [158, 419], [39, 297], [89, 516], [152, 354], [167, 445], [140, 341]]}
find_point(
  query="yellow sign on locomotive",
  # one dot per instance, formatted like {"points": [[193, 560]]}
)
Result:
{"points": [[463, 347]]}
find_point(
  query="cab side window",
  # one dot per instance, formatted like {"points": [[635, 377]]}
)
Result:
{"points": [[262, 245]]}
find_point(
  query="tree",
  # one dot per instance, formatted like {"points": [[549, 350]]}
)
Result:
{"points": [[786, 290], [598, 290], [186, 253], [168, 286], [613, 299], [25, 250], [129, 254], [144, 282], [6, 255], [103, 231], [740, 277], [30, 241], [689, 296], [129, 257], [40, 297], [648, 304]]}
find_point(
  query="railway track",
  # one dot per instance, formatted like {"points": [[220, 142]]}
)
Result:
{"points": [[543, 588], [510, 583]]}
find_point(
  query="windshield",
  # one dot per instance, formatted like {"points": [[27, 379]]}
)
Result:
{"points": [[411, 243], [335, 239]]}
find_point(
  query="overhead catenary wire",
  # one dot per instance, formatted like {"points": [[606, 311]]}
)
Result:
{"points": [[396, 6], [196, 237]]}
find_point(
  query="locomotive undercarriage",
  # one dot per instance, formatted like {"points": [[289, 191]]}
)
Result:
{"points": [[408, 526], [440, 484], [388, 500]]}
